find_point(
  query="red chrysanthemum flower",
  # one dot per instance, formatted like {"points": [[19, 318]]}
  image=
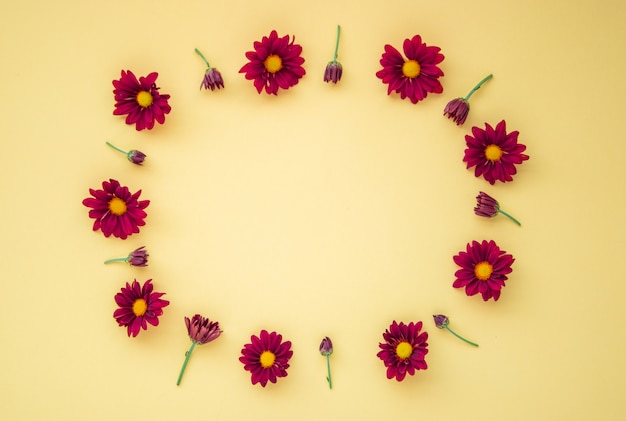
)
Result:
{"points": [[115, 210], [140, 100], [266, 357], [494, 152], [274, 63], [415, 76], [138, 306], [404, 349], [483, 269]]}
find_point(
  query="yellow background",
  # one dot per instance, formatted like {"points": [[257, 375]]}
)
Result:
{"points": [[328, 210]]}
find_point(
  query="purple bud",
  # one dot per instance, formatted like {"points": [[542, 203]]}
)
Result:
{"points": [[212, 80], [326, 347], [136, 157], [138, 257], [202, 330], [333, 72], [441, 321], [486, 205], [457, 110]]}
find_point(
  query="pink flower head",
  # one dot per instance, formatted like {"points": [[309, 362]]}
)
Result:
{"points": [[138, 305], [115, 210], [494, 152], [484, 268], [274, 63], [266, 357], [140, 100], [202, 330], [404, 349], [415, 76]]}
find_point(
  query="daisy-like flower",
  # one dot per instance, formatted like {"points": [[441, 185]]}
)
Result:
{"points": [[201, 331], [212, 77], [484, 268], [140, 100], [326, 349], [489, 207], [138, 306], [458, 108], [494, 152], [266, 357], [137, 257], [442, 321], [415, 76], [274, 63], [134, 156], [404, 349], [115, 210], [334, 70]]}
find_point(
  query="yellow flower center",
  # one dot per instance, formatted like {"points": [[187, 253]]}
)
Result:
{"points": [[144, 99], [483, 271], [411, 69], [139, 307], [117, 206], [267, 359], [273, 63], [404, 350], [493, 152]]}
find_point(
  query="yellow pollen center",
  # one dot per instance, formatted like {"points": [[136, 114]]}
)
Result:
{"points": [[483, 271], [404, 350], [144, 99], [267, 359], [493, 152], [273, 63], [117, 206], [411, 69], [139, 307]]}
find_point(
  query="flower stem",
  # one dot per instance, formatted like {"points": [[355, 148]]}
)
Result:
{"points": [[510, 217], [187, 356], [337, 43], [460, 337], [203, 58], [117, 149], [117, 259], [330, 380], [477, 87]]}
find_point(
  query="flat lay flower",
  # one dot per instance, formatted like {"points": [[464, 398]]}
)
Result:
{"points": [[115, 210], [334, 70], [415, 76], [404, 349], [140, 100], [274, 63], [489, 207], [266, 357], [138, 306], [494, 152], [212, 77], [442, 321], [134, 156], [201, 331], [326, 349], [137, 257], [484, 268], [458, 108]]}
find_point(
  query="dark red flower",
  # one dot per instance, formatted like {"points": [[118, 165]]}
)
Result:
{"points": [[138, 305], [484, 268], [494, 153], [201, 330], [415, 76], [266, 357], [140, 100], [404, 349], [274, 63], [115, 210]]}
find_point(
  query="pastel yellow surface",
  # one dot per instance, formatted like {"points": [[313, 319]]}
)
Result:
{"points": [[327, 210]]}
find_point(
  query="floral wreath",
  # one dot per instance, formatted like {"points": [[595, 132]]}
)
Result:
{"points": [[275, 64]]}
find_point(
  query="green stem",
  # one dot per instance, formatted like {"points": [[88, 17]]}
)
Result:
{"points": [[330, 380], [187, 356], [477, 87], [117, 149], [203, 58], [117, 259], [337, 43], [510, 217], [460, 337]]}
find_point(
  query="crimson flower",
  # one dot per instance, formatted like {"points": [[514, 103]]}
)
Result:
{"points": [[404, 349], [137, 257], [140, 100], [212, 77], [201, 331], [489, 207], [274, 63], [415, 76], [458, 108], [266, 357], [494, 152], [484, 268], [138, 305], [115, 210]]}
